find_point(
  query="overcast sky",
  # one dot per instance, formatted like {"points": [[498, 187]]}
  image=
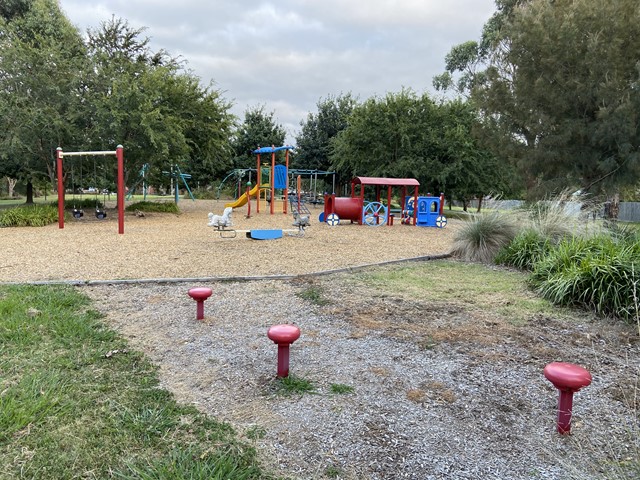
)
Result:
{"points": [[288, 54]]}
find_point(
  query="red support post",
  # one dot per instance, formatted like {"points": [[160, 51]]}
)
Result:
{"points": [[60, 188], [286, 185], [120, 196], [389, 217], [415, 205], [249, 200]]}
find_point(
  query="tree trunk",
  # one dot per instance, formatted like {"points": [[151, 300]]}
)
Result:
{"points": [[29, 193], [11, 185], [479, 203]]}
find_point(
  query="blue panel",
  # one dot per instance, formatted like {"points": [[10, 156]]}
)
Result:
{"points": [[280, 177], [273, 149], [265, 234]]}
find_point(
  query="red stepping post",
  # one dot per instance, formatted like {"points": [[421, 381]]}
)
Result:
{"points": [[200, 294], [283, 336], [568, 378]]}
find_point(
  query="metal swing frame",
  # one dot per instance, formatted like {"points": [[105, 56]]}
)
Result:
{"points": [[119, 153]]}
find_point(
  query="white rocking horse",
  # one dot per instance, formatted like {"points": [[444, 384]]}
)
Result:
{"points": [[220, 222]]}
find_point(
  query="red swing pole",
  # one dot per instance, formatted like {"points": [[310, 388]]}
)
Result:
{"points": [[60, 188], [120, 198]]}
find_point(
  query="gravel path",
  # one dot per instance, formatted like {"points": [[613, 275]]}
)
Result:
{"points": [[438, 393]]}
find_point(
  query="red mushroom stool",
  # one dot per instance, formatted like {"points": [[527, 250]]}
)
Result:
{"points": [[200, 294], [568, 378], [283, 336]]}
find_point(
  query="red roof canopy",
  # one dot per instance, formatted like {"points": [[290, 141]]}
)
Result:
{"points": [[386, 181]]}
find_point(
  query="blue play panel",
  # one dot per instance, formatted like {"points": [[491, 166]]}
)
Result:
{"points": [[264, 234]]}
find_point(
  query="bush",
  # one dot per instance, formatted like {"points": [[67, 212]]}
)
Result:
{"points": [[205, 194], [483, 235], [599, 273], [527, 249], [80, 203], [160, 207], [29, 216]]}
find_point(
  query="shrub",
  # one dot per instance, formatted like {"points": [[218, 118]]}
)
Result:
{"points": [[160, 207], [525, 250], [599, 273], [206, 194], [29, 216], [483, 235], [80, 203]]}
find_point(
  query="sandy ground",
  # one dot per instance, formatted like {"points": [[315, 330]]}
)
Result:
{"points": [[182, 246]]}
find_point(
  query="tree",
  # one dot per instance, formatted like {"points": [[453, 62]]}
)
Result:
{"points": [[561, 89], [319, 129], [42, 55], [467, 169], [160, 113], [259, 129]]}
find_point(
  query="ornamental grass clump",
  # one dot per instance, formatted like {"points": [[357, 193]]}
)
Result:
{"points": [[525, 250], [29, 216], [544, 224], [597, 273], [483, 235]]}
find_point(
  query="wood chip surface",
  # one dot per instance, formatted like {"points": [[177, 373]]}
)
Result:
{"points": [[161, 245]]}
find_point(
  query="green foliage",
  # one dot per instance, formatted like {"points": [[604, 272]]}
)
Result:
{"points": [[162, 111], [84, 203], [558, 90], [259, 129], [598, 273], [404, 135], [483, 235], [525, 250], [29, 216], [292, 385], [341, 388], [314, 294], [76, 400], [314, 144], [160, 207], [42, 55]]}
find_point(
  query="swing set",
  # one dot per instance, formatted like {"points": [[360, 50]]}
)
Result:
{"points": [[78, 211], [100, 213]]}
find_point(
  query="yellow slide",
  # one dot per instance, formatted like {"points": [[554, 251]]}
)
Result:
{"points": [[242, 200]]}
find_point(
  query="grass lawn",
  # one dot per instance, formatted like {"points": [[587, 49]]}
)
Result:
{"points": [[75, 402]]}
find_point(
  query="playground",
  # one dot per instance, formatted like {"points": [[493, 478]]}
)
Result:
{"points": [[160, 246], [440, 387]]}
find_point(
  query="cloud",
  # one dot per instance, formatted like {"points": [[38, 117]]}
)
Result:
{"points": [[287, 55]]}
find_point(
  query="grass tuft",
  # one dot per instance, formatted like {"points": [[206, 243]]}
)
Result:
{"points": [[340, 388], [292, 385], [314, 294], [483, 235]]}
